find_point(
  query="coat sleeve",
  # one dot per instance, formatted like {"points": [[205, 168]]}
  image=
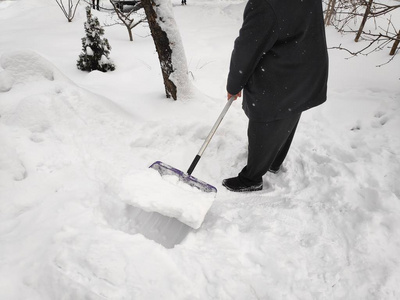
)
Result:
{"points": [[257, 35]]}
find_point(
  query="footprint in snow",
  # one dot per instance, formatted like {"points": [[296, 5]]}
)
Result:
{"points": [[381, 118]]}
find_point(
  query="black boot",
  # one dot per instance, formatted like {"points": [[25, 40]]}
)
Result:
{"points": [[236, 185]]}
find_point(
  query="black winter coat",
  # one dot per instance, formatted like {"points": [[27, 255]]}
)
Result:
{"points": [[280, 58]]}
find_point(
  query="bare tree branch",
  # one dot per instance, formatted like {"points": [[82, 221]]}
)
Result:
{"points": [[345, 14], [127, 18], [70, 14]]}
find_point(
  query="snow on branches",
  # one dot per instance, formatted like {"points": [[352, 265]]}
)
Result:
{"points": [[95, 48]]}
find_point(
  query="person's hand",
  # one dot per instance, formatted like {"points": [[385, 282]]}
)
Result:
{"points": [[235, 96]]}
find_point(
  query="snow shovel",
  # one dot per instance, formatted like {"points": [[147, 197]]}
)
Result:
{"points": [[187, 177], [168, 228]]}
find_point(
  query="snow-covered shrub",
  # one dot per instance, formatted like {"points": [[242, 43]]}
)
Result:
{"points": [[95, 48]]}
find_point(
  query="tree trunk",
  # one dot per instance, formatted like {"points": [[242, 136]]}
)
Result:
{"points": [[367, 11], [329, 12], [130, 33], [163, 47], [395, 44]]}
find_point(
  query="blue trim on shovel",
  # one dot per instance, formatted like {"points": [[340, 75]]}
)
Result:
{"points": [[165, 169]]}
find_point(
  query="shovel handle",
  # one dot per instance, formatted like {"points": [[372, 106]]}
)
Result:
{"points": [[210, 135]]}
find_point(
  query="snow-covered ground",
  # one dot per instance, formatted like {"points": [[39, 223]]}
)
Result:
{"points": [[325, 228]]}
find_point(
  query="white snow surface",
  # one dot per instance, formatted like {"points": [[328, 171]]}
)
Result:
{"points": [[71, 142]]}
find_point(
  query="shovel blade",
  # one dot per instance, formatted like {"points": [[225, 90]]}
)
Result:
{"points": [[166, 230], [165, 169]]}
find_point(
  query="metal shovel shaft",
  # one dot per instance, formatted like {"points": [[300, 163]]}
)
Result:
{"points": [[210, 135]]}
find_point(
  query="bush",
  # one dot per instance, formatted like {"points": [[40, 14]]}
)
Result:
{"points": [[95, 48]]}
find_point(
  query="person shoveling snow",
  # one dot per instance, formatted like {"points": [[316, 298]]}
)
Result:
{"points": [[283, 71]]}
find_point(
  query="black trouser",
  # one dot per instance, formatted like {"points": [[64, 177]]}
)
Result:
{"points": [[269, 143]]}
